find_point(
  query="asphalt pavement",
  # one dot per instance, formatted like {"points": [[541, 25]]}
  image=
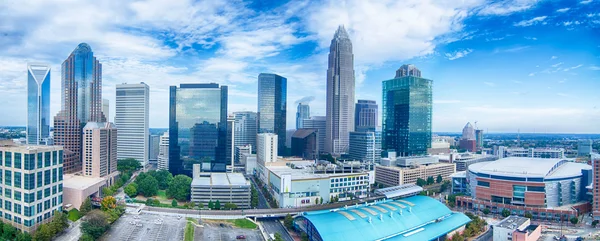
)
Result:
{"points": [[274, 226], [72, 233], [262, 201]]}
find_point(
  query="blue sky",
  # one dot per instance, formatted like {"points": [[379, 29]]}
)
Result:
{"points": [[525, 65]]}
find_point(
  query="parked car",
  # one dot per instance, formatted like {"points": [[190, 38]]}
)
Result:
{"points": [[240, 237]]}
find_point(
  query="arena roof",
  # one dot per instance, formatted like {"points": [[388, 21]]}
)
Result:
{"points": [[411, 219], [400, 191], [530, 167]]}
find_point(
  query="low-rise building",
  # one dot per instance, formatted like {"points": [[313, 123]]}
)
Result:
{"points": [[515, 228], [551, 153], [459, 182], [394, 176], [250, 163], [439, 146], [304, 185], [463, 160], [77, 188], [222, 187], [32, 184]]}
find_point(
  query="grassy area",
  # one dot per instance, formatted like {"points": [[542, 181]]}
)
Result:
{"points": [[189, 232], [162, 195], [74, 215], [243, 223], [193, 220]]}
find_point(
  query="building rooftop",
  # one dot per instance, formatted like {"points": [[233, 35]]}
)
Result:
{"points": [[418, 166], [530, 167], [305, 173], [399, 191], [24, 148], [410, 219], [219, 179], [80, 182], [462, 174], [303, 133], [512, 222]]}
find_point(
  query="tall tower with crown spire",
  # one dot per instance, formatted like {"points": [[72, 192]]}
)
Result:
{"points": [[340, 93]]}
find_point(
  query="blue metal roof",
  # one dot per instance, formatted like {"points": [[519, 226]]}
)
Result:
{"points": [[427, 219]]}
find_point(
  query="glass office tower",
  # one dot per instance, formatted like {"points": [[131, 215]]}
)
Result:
{"points": [[272, 106], [302, 113], [197, 128], [38, 103], [407, 101], [365, 115]]}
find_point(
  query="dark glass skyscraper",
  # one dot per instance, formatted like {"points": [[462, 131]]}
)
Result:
{"points": [[365, 116], [407, 101], [197, 127], [340, 93], [272, 106], [81, 102], [38, 103]]}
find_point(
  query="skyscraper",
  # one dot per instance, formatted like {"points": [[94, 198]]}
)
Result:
{"points": [[197, 127], [266, 151], [38, 103], [408, 70], [100, 149], [468, 141], [320, 124], [153, 149], [131, 117], [302, 113], [272, 106], [340, 93], [365, 115], [407, 113], [163, 152], [479, 138], [81, 102], [246, 126], [106, 109], [365, 147]]}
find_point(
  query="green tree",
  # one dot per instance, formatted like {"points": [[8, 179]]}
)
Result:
{"points": [[505, 213], [8, 232], [86, 206], [180, 188], [253, 197], [574, 220], [23, 237], [107, 191], [218, 205], [439, 179], [528, 215], [445, 185], [211, 205], [486, 211], [430, 180], [148, 186], [131, 190], [125, 177], [150, 202], [304, 236], [288, 221], [174, 203], [200, 205], [86, 237], [594, 223], [421, 182], [60, 222], [108, 203], [95, 224], [43, 233], [163, 177], [230, 206], [278, 237], [128, 165]]}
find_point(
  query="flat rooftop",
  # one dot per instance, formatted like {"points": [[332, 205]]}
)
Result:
{"points": [[80, 182], [307, 173], [512, 222], [24, 148], [530, 167], [220, 179]]}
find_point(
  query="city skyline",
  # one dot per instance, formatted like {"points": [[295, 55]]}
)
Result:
{"points": [[538, 73]]}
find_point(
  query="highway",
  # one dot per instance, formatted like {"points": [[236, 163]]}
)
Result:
{"points": [[274, 226]]}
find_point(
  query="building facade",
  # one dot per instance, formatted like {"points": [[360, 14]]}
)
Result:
{"points": [[365, 146], [479, 138], [320, 124], [240, 151], [531, 152], [197, 127], [272, 106], [222, 187], [395, 176], [304, 144], [365, 116], [38, 103], [584, 147], [595, 159], [515, 228], [100, 143], [407, 103], [131, 117], [266, 151], [163, 152], [153, 149], [32, 185], [81, 102], [340, 93], [246, 128], [106, 109], [302, 113]]}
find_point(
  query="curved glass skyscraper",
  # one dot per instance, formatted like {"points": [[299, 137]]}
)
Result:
{"points": [[340, 93], [272, 107], [38, 103]]}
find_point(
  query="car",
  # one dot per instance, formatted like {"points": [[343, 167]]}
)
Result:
{"points": [[240, 237]]}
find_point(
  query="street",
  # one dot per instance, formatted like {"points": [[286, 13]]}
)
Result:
{"points": [[273, 226], [72, 233], [262, 201]]}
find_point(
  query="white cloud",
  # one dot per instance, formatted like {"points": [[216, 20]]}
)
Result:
{"points": [[446, 101], [458, 54], [574, 67], [491, 84], [554, 57], [562, 10], [530, 22], [517, 82], [567, 23], [586, 1], [563, 94], [531, 74], [594, 67], [530, 38], [556, 65], [507, 7]]}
